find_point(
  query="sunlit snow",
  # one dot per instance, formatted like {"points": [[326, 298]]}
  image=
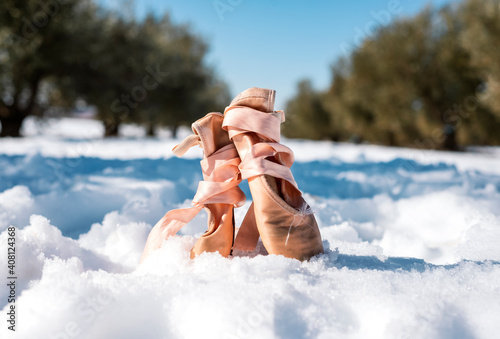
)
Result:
{"points": [[411, 237]]}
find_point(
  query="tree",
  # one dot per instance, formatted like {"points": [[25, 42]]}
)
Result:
{"points": [[481, 38], [413, 74], [427, 81], [306, 114], [191, 88], [150, 71], [344, 124], [117, 74], [39, 41]]}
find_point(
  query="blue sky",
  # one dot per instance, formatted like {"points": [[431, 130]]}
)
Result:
{"points": [[276, 43]]}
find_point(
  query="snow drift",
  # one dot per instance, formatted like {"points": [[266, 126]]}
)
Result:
{"points": [[411, 242]]}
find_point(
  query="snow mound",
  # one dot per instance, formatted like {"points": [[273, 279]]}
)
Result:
{"points": [[15, 205], [71, 291], [118, 239], [411, 243]]}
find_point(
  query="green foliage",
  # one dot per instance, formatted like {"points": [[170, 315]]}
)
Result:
{"points": [[428, 81], [38, 42], [191, 88], [481, 37], [56, 52], [306, 116]]}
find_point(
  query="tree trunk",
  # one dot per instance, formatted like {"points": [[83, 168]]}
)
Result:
{"points": [[391, 139], [450, 141], [150, 132], [174, 129], [11, 126], [12, 116], [111, 129]]}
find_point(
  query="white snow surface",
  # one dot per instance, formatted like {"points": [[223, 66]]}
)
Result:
{"points": [[411, 238]]}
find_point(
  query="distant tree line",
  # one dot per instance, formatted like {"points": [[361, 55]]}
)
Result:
{"points": [[429, 81], [54, 53]]}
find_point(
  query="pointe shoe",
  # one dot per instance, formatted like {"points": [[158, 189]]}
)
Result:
{"points": [[279, 214], [218, 193]]}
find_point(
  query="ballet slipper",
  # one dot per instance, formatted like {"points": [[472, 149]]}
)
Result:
{"points": [[218, 193], [279, 214]]}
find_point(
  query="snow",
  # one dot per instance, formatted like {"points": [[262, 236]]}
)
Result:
{"points": [[411, 240]]}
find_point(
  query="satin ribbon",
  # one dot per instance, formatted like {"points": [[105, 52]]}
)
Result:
{"points": [[256, 162], [220, 185], [240, 120]]}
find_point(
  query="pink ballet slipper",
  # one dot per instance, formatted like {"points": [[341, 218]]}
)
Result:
{"points": [[279, 214], [218, 193]]}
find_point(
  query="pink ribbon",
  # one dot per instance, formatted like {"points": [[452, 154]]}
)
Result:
{"points": [[221, 175], [256, 162], [239, 120]]}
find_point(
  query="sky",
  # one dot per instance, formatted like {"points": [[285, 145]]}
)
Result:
{"points": [[276, 43]]}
